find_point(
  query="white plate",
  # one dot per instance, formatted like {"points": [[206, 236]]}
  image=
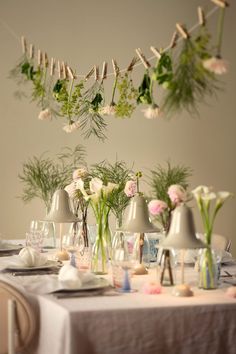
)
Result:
{"points": [[49, 264], [98, 283], [8, 247]]}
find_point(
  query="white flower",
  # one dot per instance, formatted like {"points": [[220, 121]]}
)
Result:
{"points": [[108, 110], [80, 173], [208, 196], [222, 196], [71, 189], [216, 65], [69, 128], [109, 188], [46, 114], [151, 112], [95, 185], [200, 190]]}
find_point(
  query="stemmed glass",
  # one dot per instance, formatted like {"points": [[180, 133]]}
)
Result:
{"points": [[72, 243]]}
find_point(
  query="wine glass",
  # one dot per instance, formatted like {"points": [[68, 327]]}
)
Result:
{"points": [[72, 243]]}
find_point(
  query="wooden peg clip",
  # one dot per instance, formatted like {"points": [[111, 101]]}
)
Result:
{"points": [[59, 70], [90, 73], [174, 39], [220, 3], [143, 59], [45, 60], [31, 51], [96, 72], [52, 67], [155, 52], [39, 57], [104, 71], [132, 64], [23, 44], [182, 31], [70, 73], [201, 16], [116, 69]]}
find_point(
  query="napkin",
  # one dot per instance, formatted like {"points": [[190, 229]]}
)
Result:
{"points": [[71, 277], [32, 258]]}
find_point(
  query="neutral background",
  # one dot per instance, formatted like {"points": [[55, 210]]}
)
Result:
{"points": [[85, 33]]}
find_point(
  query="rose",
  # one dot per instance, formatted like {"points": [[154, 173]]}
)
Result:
{"points": [[177, 194], [130, 188], [156, 207]]}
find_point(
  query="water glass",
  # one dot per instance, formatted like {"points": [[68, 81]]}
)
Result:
{"points": [[34, 239]]}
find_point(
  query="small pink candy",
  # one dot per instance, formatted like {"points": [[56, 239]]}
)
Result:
{"points": [[231, 291], [152, 288]]}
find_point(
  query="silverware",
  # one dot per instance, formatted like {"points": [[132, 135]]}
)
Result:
{"points": [[86, 293], [34, 272]]}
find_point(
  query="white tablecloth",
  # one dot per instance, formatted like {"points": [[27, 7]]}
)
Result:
{"points": [[135, 323]]}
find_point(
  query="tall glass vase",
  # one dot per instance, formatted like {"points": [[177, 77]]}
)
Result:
{"points": [[85, 253], [49, 233], [208, 269], [100, 252]]}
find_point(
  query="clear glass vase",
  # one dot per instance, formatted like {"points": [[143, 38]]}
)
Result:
{"points": [[85, 253], [208, 269], [100, 252]]}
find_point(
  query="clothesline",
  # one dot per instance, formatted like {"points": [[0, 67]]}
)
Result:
{"points": [[193, 28]]}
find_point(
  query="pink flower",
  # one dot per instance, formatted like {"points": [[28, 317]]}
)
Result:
{"points": [[69, 128], [177, 194], [130, 188], [151, 112], [46, 114], [151, 288], [216, 65], [156, 207]]}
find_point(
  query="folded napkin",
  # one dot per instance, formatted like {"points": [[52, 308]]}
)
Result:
{"points": [[32, 258], [71, 277]]}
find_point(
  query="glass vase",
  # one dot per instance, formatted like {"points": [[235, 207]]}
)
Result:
{"points": [[85, 253], [100, 252], [208, 269]]}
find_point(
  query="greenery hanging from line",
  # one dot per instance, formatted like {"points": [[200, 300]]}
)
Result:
{"points": [[186, 74]]}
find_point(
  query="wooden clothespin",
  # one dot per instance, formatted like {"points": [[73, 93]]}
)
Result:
{"points": [[116, 69], [143, 59], [45, 60], [174, 39], [182, 31], [31, 51], [70, 73], [63, 68], [52, 67], [23, 44], [59, 70], [90, 73], [96, 72], [155, 52], [104, 71], [132, 64], [39, 57], [201, 16], [220, 3]]}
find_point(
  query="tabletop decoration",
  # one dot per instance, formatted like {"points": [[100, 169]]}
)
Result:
{"points": [[209, 203], [138, 222], [61, 213], [168, 186], [98, 195], [186, 78], [231, 292], [182, 235], [152, 288], [31, 257]]}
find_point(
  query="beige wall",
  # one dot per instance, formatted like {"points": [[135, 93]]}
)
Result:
{"points": [[88, 32]]}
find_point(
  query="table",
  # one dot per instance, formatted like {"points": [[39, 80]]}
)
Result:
{"points": [[136, 323]]}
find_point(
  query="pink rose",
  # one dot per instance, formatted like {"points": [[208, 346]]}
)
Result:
{"points": [[177, 194], [156, 207], [130, 188]]}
